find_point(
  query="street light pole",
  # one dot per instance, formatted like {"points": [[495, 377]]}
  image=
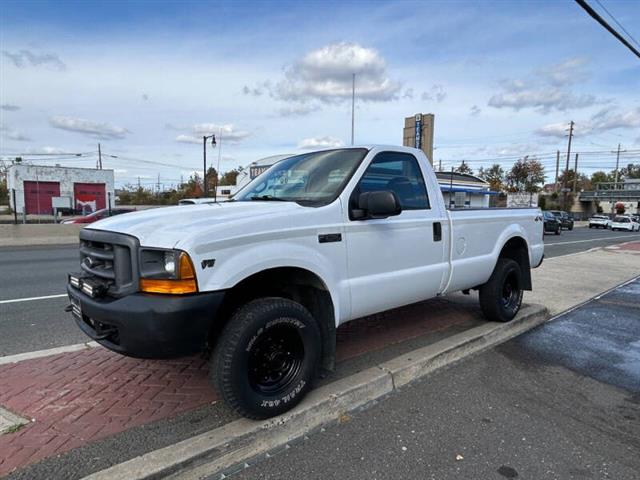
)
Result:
{"points": [[205, 189]]}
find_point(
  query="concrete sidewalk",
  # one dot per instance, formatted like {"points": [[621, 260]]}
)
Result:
{"points": [[44, 234], [561, 283]]}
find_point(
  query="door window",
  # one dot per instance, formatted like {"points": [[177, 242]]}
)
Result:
{"points": [[398, 172]]}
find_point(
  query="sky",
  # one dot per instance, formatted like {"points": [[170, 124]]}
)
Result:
{"points": [[148, 79]]}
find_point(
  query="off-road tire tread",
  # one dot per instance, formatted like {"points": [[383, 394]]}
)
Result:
{"points": [[222, 357], [489, 292]]}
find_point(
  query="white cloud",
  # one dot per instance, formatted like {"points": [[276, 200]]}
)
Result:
{"points": [[475, 110], [12, 134], [182, 138], [9, 108], [437, 93], [227, 133], [605, 120], [546, 89], [26, 58], [298, 110], [319, 143], [565, 73], [88, 127], [326, 75]]}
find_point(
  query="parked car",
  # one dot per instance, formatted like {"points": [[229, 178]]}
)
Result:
{"points": [[98, 215], [624, 223], [265, 280], [565, 219], [599, 221], [551, 223], [196, 201]]}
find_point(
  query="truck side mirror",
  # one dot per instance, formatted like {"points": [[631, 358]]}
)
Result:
{"points": [[379, 204]]}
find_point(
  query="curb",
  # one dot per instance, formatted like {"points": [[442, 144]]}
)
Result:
{"points": [[21, 357], [219, 450]]}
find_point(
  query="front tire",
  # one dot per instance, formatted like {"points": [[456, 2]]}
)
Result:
{"points": [[267, 357], [501, 296]]}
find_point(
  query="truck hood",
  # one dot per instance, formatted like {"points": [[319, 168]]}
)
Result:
{"points": [[165, 227]]}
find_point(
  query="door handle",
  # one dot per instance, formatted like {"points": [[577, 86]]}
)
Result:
{"points": [[437, 231]]}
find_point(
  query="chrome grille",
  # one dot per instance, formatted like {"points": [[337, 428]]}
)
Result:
{"points": [[111, 259], [97, 259]]}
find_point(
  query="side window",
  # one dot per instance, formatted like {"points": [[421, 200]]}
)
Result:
{"points": [[400, 173]]}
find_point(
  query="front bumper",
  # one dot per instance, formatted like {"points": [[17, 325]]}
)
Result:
{"points": [[148, 326]]}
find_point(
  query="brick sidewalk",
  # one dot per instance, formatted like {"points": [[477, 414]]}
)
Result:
{"points": [[76, 398]]}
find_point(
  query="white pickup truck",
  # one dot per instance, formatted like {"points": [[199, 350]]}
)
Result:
{"points": [[264, 280]]}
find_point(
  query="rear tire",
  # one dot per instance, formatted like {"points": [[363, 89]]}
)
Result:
{"points": [[267, 357], [501, 296]]}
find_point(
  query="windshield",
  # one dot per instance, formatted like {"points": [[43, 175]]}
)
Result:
{"points": [[312, 179], [621, 220]]}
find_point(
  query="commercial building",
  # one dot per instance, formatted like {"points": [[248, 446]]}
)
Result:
{"points": [[38, 189], [418, 133], [461, 190]]}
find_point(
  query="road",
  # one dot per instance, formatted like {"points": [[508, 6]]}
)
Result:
{"points": [[562, 401], [40, 323]]}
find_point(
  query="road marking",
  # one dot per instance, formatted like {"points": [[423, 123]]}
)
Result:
{"points": [[30, 299], [590, 240], [20, 357]]}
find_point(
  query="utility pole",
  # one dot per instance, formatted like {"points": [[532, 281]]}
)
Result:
{"points": [[139, 183], [353, 106], [99, 157], [440, 165], [564, 180], [575, 175], [557, 168], [215, 194], [615, 185]]}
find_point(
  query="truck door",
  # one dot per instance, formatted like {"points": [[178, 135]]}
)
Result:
{"points": [[400, 259]]}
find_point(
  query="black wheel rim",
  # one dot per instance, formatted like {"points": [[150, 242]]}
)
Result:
{"points": [[510, 291], [275, 359]]}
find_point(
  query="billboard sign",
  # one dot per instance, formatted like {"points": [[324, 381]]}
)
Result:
{"points": [[522, 199]]}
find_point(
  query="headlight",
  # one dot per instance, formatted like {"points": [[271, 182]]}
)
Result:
{"points": [[166, 271]]}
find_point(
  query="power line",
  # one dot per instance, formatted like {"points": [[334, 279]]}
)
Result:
{"points": [[609, 28], [618, 23]]}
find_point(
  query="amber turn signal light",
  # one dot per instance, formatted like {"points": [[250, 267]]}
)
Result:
{"points": [[184, 284]]}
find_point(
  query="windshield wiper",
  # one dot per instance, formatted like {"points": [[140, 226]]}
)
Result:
{"points": [[270, 198]]}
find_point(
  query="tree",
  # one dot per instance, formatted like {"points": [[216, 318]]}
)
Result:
{"points": [[229, 178], [493, 175], [464, 168], [620, 208], [525, 176], [584, 183], [602, 177], [212, 180], [4, 192], [632, 170]]}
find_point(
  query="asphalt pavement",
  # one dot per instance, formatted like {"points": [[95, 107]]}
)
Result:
{"points": [[41, 323], [562, 401]]}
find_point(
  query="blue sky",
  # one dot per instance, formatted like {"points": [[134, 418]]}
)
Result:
{"points": [[146, 79]]}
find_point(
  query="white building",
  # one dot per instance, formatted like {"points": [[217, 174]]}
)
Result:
{"points": [[461, 190], [36, 188]]}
